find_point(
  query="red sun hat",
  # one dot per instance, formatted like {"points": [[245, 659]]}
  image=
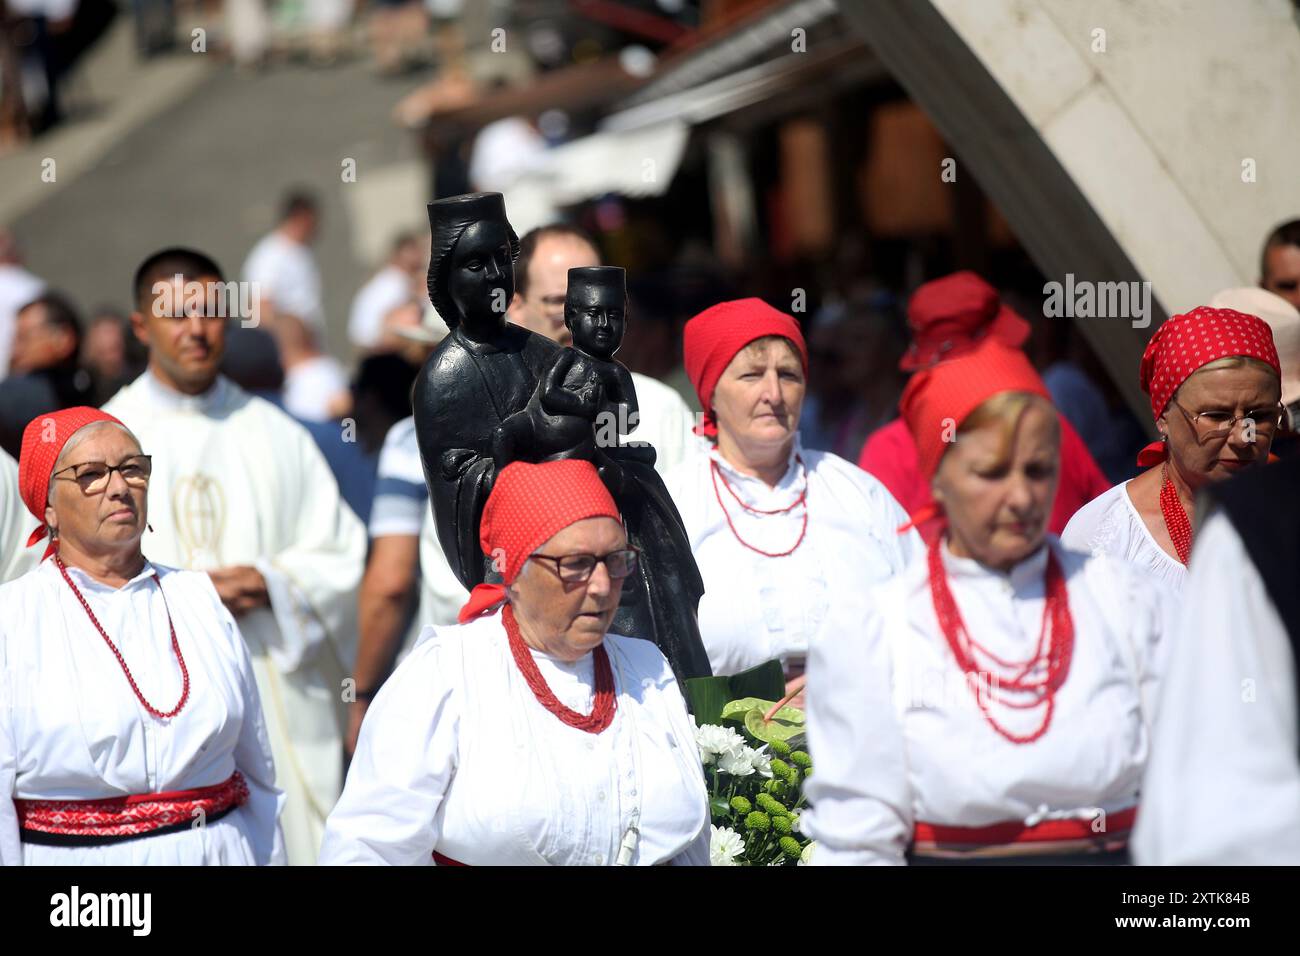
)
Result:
{"points": [[528, 505], [43, 441], [949, 316], [713, 338], [1188, 341], [938, 399]]}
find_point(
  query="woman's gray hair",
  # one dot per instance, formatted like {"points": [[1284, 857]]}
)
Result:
{"points": [[75, 439]]}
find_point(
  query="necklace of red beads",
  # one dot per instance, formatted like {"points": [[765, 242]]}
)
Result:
{"points": [[185, 674], [1177, 523], [716, 473], [602, 713], [1040, 677]]}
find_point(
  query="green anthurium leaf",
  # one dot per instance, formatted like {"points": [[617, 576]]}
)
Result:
{"points": [[767, 680], [787, 723], [705, 696]]}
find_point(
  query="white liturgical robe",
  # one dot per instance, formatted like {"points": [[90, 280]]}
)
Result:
{"points": [[457, 755], [757, 608], [237, 482], [16, 523], [897, 735], [71, 728]]}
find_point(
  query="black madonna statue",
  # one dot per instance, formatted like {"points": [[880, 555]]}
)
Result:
{"points": [[493, 392]]}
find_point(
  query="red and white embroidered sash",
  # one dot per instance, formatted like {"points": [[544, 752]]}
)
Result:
{"points": [[1016, 838], [131, 816]]}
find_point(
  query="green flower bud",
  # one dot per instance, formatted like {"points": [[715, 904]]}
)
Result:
{"points": [[779, 769], [758, 821], [801, 759], [791, 848], [808, 772], [741, 805], [771, 805], [779, 748], [782, 825]]}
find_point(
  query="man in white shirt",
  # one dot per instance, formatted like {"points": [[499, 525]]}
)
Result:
{"points": [[392, 287], [241, 491], [18, 287], [546, 254], [405, 559], [283, 267]]}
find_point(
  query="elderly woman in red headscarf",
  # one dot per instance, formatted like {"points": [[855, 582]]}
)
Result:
{"points": [[1215, 385], [130, 727], [528, 734], [788, 540], [994, 703]]}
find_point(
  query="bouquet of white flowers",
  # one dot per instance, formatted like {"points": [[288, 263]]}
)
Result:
{"points": [[755, 785]]}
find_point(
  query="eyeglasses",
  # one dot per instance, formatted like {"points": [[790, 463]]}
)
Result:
{"points": [[576, 568], [1218, 424], [93, 476]]}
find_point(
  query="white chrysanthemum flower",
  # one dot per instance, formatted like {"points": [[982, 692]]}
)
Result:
{"points": [[725, 844], [762, 761], [805, 858], [738, 763], [714, 741]]}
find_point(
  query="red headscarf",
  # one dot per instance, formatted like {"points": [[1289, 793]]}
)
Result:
{"points": [[938, 399], [713, 338], [43, 441], [951, 315], [1188, 341], [530, 503]]}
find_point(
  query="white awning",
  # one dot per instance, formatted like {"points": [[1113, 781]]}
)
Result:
{"points": [[634, 163]]}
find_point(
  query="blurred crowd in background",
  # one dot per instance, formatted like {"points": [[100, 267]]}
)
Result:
{"points": [[840, 214]]}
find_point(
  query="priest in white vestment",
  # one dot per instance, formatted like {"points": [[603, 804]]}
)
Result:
{"points": [[241, 491]]}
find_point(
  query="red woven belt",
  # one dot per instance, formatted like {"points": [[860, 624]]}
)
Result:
{"points": [[117, 818], [1015, 837]]}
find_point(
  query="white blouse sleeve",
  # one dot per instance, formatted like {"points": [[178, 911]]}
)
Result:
{"points": [[697, 853], [1144, 609], [11, 851], [253, 759], [682, 725], [900, 548], [404, 764], [861, 805], [1222, 786]]}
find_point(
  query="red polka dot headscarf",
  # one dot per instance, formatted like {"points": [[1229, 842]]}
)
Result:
{"points": [[43, 441], [1187, 342], [528, 504], [713, 338]]}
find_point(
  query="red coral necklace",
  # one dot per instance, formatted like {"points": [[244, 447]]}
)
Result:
{"points": [[602, 713], [715, 473], [1050, 660], [1176, 521], [185, 674]]}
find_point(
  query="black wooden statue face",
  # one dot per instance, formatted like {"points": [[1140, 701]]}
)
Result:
{"points": [[596, 314], [481, 276]]}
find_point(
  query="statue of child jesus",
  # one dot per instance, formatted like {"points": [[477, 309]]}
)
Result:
{"points": [[585, 395]]}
